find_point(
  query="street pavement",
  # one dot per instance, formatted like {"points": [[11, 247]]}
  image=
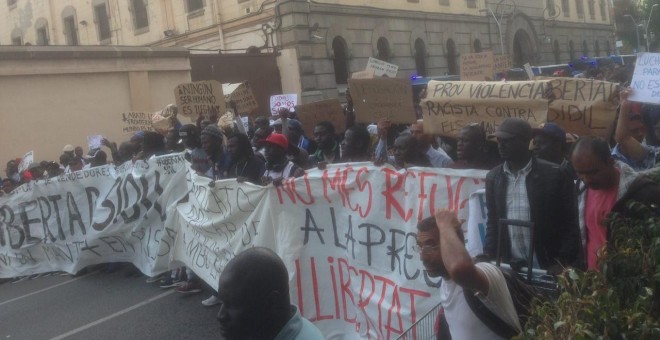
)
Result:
{"points": [[100, 305]]}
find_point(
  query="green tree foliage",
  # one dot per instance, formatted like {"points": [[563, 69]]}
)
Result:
{"points": [[622, 301]]}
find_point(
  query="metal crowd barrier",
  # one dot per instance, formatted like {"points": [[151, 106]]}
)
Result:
{"points": [[425, 328]]}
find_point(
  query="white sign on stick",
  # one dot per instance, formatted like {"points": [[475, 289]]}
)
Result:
{"points": [[646, 79], [382, 68], [27, 159], [283, 101]]}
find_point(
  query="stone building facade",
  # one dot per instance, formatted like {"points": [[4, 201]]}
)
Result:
{"points": [[319, 43]]}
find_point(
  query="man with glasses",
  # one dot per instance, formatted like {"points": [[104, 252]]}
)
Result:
{"points": [[442, 251]]}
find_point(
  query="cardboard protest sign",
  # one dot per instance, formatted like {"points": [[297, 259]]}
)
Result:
{"points": [[477, 66], [325, 110], [136, 121], [378, 98], [502, 63], [382, 68], [366, 74], [451, 105], [646, 79], [201, 98], [283, 101], [242, 96], [26, 160], [583, 106]]}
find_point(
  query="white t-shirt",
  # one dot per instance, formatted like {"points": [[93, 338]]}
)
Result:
{"points": [[463, 323]]}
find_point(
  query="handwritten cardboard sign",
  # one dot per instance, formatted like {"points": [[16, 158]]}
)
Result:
{"points": [[378, 98], [583, 106], [201, 98], [477, 66], [242, 96], [324, 110], [136, 121], [502, 63], [451, 105], [646, 79], [382, 68], [283, 101]]}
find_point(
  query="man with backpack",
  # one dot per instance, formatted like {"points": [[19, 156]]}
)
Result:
{"points": [[475, 297]]}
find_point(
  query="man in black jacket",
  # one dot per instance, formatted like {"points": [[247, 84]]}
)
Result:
{"points": [[530, 189]]}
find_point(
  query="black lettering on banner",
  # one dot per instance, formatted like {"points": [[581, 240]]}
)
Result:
{"points": [[334, 228], [53, 200], [24, 207], [74, 214], [7, 219], [370, 242], [45, 216], [90, 249], [409, 256], [349, 236], [136, 209], [92, 195], [242, 196], [309, 221], [110, 205]]}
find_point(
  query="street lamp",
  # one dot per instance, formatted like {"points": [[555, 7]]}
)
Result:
{"points": [[499, 27], [646, 29], [636, 28]]}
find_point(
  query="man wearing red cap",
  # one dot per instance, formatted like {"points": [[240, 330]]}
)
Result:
{"points": [[278, 166]]}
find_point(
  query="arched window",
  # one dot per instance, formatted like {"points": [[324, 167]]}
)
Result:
{"points": [[596, 48], [420, 57], [556, 52], [452, 65], [384, 51], [477, 46], [17, 37], [70, 26], [41, 28], [340, 60], [585, 48], [571, 50]]}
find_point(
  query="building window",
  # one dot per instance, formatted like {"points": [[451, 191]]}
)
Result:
{"points": [[585, 48], [603, 10], [102, 22], [420, 57], [579, 7], [550, 6], [452, 65], [472, 3], [592, 9], [17, 37], [340, 61], [41, 27], [557, 52], [140, 14], [566, 8], [384, 51], [608, 50], [477, 46], [194, 5], [596, 48], [70, 30], [571, 50]]}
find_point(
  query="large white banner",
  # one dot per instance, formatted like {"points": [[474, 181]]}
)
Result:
{"points": [[345, 233]]}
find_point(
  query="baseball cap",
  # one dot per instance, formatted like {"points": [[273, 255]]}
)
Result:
{"points": [[278, 140], [68, 148], [514, 127], [552, 130]]}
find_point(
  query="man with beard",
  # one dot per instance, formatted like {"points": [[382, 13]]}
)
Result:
{"points": [[528, 189], [442, 251], [254, 300], [278, 166]]}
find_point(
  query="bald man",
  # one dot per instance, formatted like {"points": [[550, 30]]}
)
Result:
{"points": [[255, 304]]}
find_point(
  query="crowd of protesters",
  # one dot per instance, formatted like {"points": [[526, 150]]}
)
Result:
{"points": [[564, 184]]}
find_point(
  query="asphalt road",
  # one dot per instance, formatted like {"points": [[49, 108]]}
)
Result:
{"points": [[99, 306]]}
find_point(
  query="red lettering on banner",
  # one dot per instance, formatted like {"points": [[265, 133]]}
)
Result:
{"points": [[363, 303], [289, 187], [422, 195], [316, 295], [390, 189], [413, 315], [334, 285], [395, 296], [338, 184], [346, 287]]}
